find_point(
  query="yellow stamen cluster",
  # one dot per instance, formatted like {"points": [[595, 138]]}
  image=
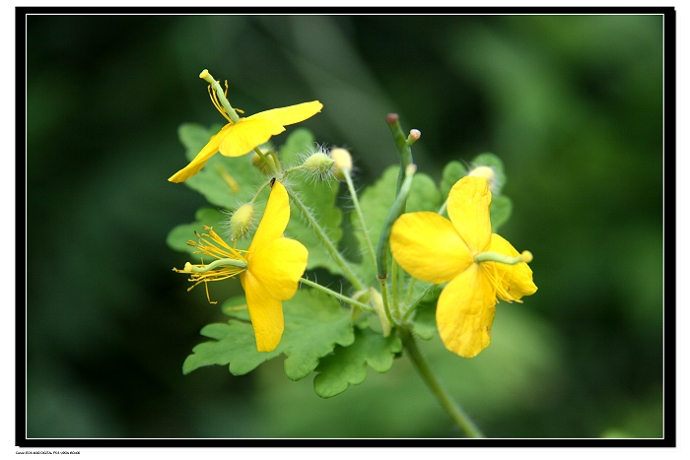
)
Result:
{"points": [[229, 262]]}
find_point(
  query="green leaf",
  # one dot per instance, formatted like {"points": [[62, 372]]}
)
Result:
{"points": [[501, 208], [424, 323], [314, 324], [225, 182], [495, 163], [376, 202], [453, 172], [319, 196], [178, 236], [348, 365]]}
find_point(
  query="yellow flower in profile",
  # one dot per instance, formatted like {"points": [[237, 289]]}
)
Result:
{"points": [[269, 270], [478, 265], [241, 137]]}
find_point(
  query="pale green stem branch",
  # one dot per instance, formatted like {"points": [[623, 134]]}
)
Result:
{"points": [[360, 216], [327, 243], [335, 294]]}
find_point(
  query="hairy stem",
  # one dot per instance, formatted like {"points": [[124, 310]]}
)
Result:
{"points": [[328, 244]]}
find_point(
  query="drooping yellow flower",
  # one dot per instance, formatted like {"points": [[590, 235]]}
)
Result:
{"points": [[269, 270], [478, 265], [239, 138]]}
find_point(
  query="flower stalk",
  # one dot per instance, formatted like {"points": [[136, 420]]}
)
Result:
{"points": [[402, 144], [360, 216], [335, 294], [451, 407], [328, 244]]}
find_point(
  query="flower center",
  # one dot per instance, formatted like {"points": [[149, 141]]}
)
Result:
{"points": [[488, 262], [229, 262]]}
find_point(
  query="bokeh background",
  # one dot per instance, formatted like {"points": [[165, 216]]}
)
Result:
{"points": [[572, 104]]}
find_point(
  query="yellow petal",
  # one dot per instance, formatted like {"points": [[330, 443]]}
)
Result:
{"points": [[247, 134], [210, 149], [290, 114], [468, 209], [279, 266], [275, 218], [428, 247], [515, 279], [465, 313], [265, 312]]}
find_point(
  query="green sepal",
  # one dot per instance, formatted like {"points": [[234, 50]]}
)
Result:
{"points": [[314, 325], [491, 160], [212, 181], [178, 236], [453, 172], [348, 365], [319, 196], [501, 208], [376, 202]]}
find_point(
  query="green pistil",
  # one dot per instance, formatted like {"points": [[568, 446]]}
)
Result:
{"points": [[221, 96], [216, 264], [526, 256]]}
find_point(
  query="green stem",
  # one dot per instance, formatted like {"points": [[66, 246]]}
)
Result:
{"points": [[274, 166], [360, 216], [384, 296], [442, 209], [335, 294], [403, 146], [412, 306], [394, 289], [258, 192], [328, 244], [410, 290], [453, 409], [395, 212]]}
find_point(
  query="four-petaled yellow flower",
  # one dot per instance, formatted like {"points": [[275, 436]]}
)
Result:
{"points": [[269, 270], [465, 253], [239, 138]]}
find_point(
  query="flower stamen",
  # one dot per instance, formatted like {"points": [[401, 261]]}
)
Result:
{"points": [[230, 261]]}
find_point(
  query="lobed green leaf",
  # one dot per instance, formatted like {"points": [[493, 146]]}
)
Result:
{"points": [[453, 172], [314, 325], [348, 365]]}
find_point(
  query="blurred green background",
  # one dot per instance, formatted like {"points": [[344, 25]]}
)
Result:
{"points": [[572, 104]]}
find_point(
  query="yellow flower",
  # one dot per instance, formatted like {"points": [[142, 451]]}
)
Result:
{"points": [[477, 264], [240, 138], [269, 270]]}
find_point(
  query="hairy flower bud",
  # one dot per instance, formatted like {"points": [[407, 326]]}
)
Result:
{"points": [[319, 164], [241, 221], [342, 160], [488, 173]]}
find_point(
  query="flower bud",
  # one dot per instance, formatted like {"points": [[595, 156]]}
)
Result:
{"points": [[319, 164], [488, 173], [265, 168], [414, 136], [241, 221], [342, 160]]}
